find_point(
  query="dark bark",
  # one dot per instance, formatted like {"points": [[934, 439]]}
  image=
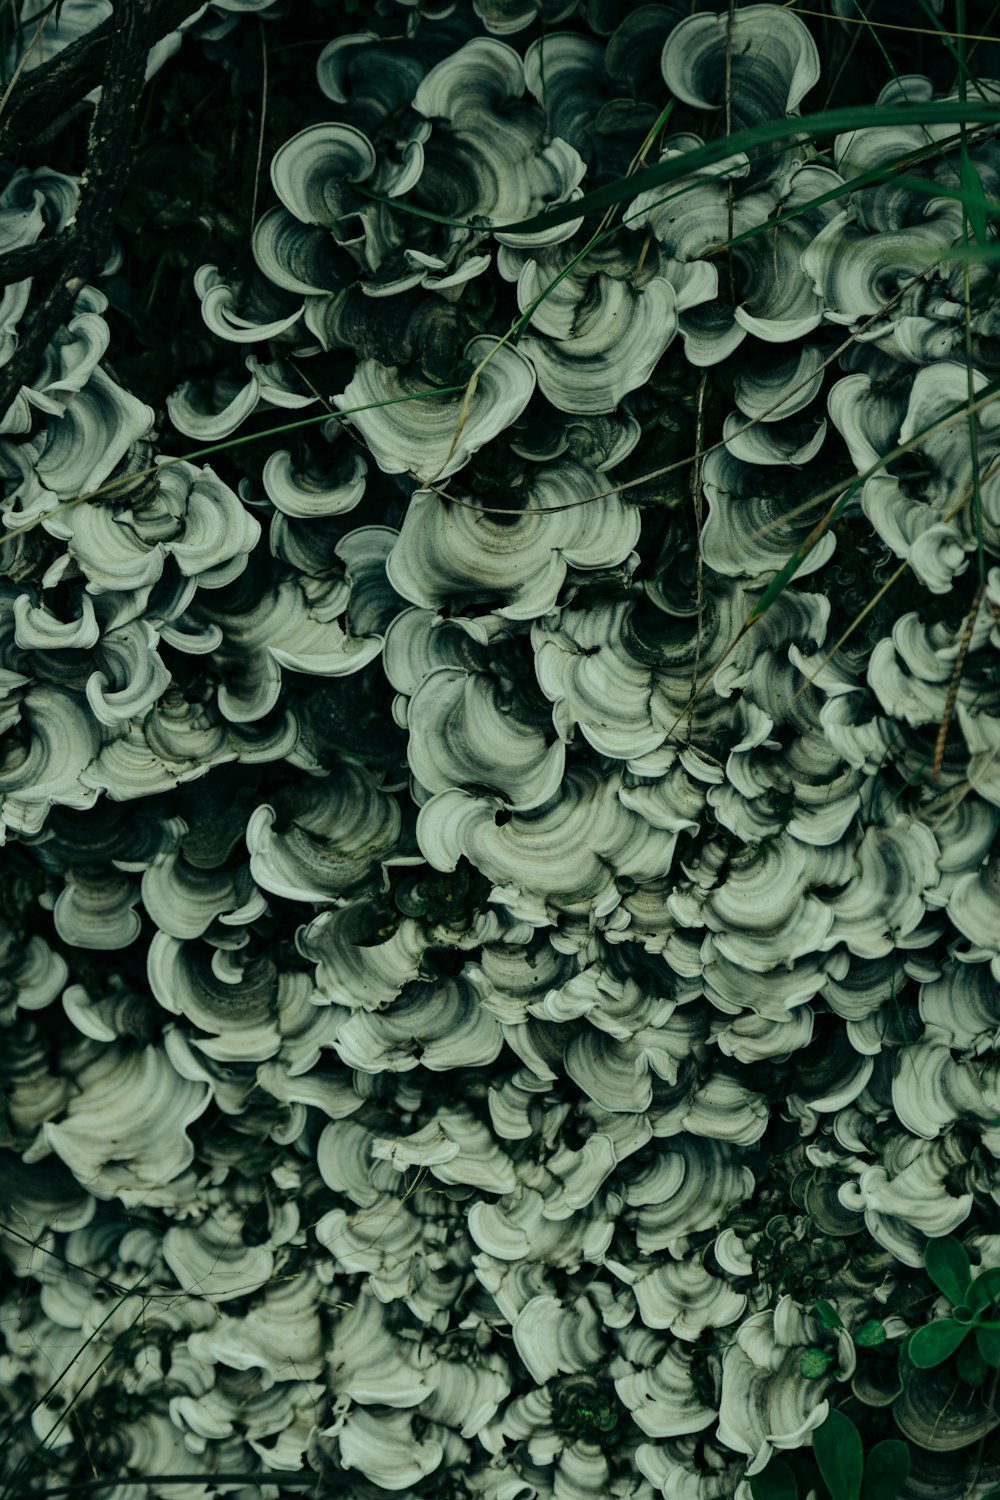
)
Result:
{"points": [[30, 260], [82, 248], [61, 82]]}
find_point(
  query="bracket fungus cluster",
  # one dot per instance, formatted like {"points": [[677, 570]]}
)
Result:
{"points": [[500, 888]]}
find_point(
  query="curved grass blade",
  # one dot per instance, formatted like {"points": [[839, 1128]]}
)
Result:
{"points": [[787, 572], [825, 122], [851, 185], [223, 447], [923, 188]]}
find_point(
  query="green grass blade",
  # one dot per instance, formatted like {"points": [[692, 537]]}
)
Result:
{"points": [[956, 46], [923, 188], [873, 32], [595, 239], [853, 184], [974, 200], [126, 480], [786, 573], [824, 122], [982, 255]]}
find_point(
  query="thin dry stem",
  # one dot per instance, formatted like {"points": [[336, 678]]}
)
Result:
{"points": [[263, 123], [962, 36], [956, 677], [23, 59], [698, 502]]}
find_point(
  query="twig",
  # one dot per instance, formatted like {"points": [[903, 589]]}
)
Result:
{"points": [[25, 55], [953, 686], [280, 1477], [698, 500], [263, 123], [31, 260]]}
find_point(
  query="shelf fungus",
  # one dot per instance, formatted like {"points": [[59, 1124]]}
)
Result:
{"points": [[498, 917]]}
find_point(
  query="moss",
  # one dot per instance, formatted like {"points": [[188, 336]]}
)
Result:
{"points": [[450, 899]]}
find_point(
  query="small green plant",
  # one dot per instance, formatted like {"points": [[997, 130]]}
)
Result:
{"points": [[974, 1311], [868, 1335], [843, 1471]]}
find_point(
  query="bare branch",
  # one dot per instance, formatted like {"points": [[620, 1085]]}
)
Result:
{"points": [[64, 80], [84, 244]]}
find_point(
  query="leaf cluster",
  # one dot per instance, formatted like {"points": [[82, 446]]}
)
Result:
{"points": [[841, 1471]]}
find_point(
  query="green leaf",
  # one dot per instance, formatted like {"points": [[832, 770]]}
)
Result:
{"points": [[837, 1446], [948, 1267], [827, 1314], [988, 1344], [971, 1365], [815, 1362], [870, 1334], [776, 1482], [886, 1471], [984, 1290], [933, 1344]]}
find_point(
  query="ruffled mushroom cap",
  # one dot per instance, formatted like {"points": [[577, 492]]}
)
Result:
{"points": [[569, 853], [323, 840], [125, 1131], [774, 62], [449, 551], [461, 734], [766, 1405], [426, 437], [606, 886], [503, 173]]}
